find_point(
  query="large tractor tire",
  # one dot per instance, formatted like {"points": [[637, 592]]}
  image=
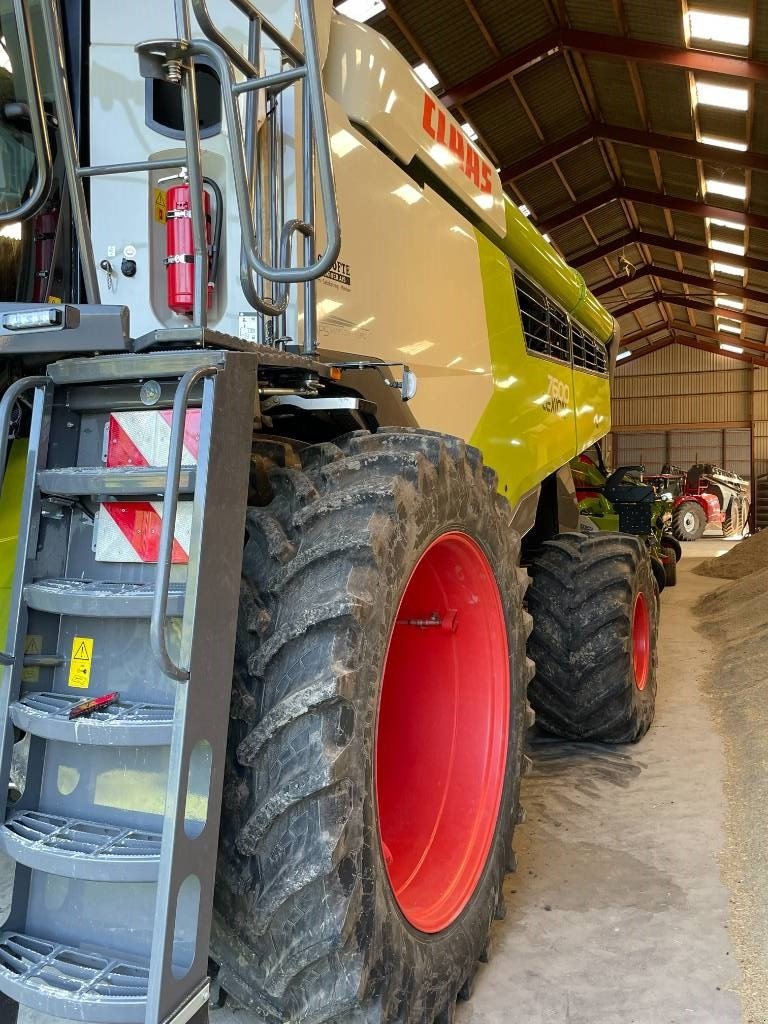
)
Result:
{"points": [[689, 521], [595, 615], [376, 737], [731, 521]]}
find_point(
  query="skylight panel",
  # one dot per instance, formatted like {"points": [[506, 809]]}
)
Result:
{"points": [[728, 97], [361, 10], [719, 28], [425, 74]]}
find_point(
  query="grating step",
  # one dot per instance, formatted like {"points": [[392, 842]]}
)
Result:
{"points": [[99, 599], [77, 984], [124, 481], [121, 724], [74, 848]]}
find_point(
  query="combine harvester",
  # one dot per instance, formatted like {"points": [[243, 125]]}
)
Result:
{"points": [[292, 388]]}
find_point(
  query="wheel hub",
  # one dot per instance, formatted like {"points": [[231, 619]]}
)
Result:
{"points": [[641, 641], [442, 732]]}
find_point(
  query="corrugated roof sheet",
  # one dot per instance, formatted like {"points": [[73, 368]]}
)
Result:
{"points": [[563, 95]]}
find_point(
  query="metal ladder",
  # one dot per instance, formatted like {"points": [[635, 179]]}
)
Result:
{"points": [[115, 834]]}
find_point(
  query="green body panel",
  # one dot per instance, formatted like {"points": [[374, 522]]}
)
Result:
{"points": [[10, 512], [601, 512], [533, 254], [523, 433]]}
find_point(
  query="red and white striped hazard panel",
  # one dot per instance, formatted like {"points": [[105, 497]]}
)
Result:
{"points": [[129, 531]]}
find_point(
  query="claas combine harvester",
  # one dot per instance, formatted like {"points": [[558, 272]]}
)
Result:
{"points": [[290, 393]]}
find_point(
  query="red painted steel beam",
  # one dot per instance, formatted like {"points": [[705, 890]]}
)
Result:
{"points": [[664, 242], [645, 332], [650, 198], [606, 45], [705, 283], [719, 336], [594, 131], [647, 349], [674, 299], [702, 346], [502, 69]]}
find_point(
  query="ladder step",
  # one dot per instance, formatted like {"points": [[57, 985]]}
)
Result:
{"points": [[77, 984], [99, 599], [74, 848], [122, 724], [124, 481]]}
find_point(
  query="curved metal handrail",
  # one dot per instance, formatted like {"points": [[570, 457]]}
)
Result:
{"points": [[40, 140], [170, 503], [11, 396]]}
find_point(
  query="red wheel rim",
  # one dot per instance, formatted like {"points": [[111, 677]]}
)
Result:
{"points": [[641, 641], [442, 732]]}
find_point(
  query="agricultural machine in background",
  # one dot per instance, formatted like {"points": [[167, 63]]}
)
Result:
{"points": [[290, 396], [621, 501], [704, 496]]}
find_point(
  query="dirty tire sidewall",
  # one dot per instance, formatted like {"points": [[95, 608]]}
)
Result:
{"points": [[582, 599], [688, 521], [306, 924]]}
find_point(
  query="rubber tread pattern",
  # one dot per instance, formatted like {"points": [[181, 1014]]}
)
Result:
{"points": [[306, 927], [582, 601]]}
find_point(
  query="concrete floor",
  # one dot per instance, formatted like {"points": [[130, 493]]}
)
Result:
{"points": [[618, 911]]}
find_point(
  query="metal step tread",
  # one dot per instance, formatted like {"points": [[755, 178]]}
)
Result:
{"points": [[120, 481], [128, 723], [79, 984], [74, 848], [99, 598]]}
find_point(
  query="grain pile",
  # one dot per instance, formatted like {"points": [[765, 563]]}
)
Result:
{"points": [[747, 557], [733, 616]]}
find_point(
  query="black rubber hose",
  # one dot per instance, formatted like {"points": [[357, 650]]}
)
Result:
{"points": [[218, 223]]}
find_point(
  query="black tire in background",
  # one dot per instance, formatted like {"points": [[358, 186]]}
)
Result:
{"points": [[595, 622], [307, 925], [688, 521], [670, 572], [659, 571], [672, 550], [674, 545]]}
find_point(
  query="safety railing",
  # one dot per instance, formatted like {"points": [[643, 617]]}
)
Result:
{"points": [[173, 60], [170, 504], [37, 194], [9, 400]]}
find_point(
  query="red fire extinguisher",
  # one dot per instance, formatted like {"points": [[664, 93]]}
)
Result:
{"points": [[180, 246], [44, 237]]}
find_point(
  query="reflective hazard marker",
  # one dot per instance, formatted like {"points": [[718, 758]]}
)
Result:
{"points": [[80, 663], [129, 531]]}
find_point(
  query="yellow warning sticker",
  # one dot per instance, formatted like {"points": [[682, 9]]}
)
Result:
{"points": [[161, 205], [32, 645], [80, 664]]}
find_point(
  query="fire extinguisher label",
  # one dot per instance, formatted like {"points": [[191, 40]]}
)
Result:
{"points": [[161, 206]]}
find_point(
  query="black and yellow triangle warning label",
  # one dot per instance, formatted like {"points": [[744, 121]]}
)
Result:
{"points": [[33, 644], [80, 662]]}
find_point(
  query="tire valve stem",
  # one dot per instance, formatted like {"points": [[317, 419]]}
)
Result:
{"points": [[448, 621]]}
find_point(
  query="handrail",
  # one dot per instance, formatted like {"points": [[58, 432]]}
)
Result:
{"points": [[11, 396], [40, 140], [170, 503], [279, 275]]}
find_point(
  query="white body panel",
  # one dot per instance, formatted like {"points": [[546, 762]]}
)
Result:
{"points": [[378, 89], [415, 294]]}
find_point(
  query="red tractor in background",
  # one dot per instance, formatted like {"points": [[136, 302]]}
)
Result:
{"points": [[704, 496]]}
